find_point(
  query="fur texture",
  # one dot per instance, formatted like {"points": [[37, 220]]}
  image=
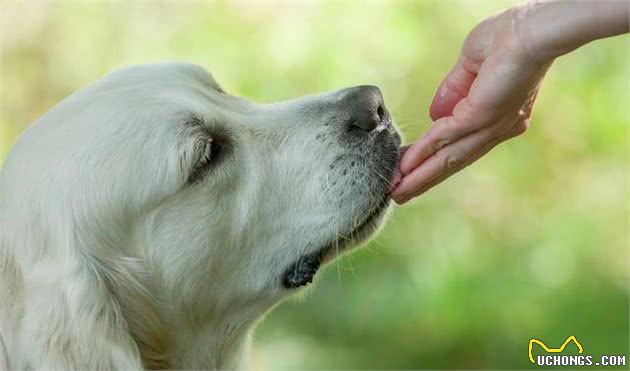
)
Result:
{"points": [[147, 220]]}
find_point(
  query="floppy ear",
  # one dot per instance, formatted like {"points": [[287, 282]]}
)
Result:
{"points": [[67, 317]]}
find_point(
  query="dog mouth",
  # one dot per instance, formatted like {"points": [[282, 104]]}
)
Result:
{"points": [[302, 272]]}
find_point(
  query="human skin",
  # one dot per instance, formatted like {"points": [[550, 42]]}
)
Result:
{"points": [[488, 95]]}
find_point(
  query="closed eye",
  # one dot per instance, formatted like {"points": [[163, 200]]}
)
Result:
{"points": [[208, 147], [202, 159]]}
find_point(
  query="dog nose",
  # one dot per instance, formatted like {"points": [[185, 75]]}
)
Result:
{"points": [[368, 109]]}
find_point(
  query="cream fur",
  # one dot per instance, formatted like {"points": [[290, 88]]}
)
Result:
{"points": [[111, 258]]}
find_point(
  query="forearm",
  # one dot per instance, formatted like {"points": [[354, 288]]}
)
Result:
{"points": [[552, 28]]}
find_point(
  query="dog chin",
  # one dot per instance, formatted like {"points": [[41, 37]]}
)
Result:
{"points": [[359, 234], [302, 272]]}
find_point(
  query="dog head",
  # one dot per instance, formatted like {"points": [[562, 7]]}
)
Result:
{"points": [[227, 200]]}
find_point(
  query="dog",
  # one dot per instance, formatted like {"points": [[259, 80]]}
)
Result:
{"points": [[150, 219]]}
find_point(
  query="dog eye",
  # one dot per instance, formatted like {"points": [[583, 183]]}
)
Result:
{"points": [[204, 153], [206, 145]]}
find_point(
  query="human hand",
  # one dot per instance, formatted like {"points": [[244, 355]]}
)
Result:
{"points": [[485, 99], [488, 96]]}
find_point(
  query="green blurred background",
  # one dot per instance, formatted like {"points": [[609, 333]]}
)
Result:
{"points": [[531, 241]]}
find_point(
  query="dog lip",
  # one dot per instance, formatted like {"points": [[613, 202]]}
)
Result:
{"points": [[373, 214], [302, 272]]}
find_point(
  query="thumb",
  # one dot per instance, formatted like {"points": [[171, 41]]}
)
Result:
{"points": [[453, 88]]}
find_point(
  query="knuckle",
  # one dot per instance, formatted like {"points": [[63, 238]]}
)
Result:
{"points": [[451, 161], [520, 127], [525, 112], [440, 143], [438, 140]]}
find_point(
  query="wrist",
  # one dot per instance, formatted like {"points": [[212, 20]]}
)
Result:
{"points": [[549, 29]]}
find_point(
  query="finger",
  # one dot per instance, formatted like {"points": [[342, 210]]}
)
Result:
{"points": [[466, 119], [442, 177], [488, 100], [444, 163], [403, 150], [397, 177], [453, 89]]}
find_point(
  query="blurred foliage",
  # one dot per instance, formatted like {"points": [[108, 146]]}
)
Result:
{"points": [[532, 241]]}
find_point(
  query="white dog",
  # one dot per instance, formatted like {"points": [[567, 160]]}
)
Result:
{"points": [[150, 219]]}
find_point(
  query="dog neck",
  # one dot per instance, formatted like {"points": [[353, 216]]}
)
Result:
{"points": [[220, 343], [199, 330]]}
